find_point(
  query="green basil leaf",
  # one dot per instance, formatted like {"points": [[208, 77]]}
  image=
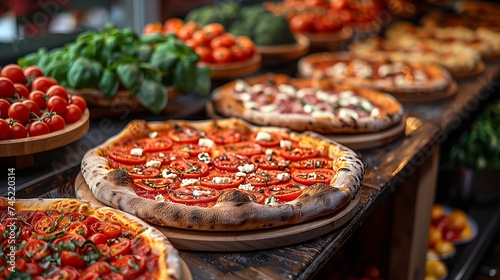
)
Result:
{"points": [[153, 96], [130, 76], [164, 61], [58, 69], [185, 76], [151, 39], [150, 72], [203, 80], [108, 83], [144, 52], [84, 73]]}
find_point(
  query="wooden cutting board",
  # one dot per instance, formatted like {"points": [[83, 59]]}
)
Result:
{"points": [[218, 241]]}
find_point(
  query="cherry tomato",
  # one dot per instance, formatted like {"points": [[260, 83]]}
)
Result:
{"points": [[32, 72], [97, 227], [40, 98], [326, 24], [38, 128], [140, 246], [149, 172], [270, 162], [22, 91], [59, 91], [230, 161], [19, 112], [213, 30], [238, 53], [187, 30], [98, 238], [78, 228], [43, 83], [99, 267], [55, 122], [154, 185], [186, 168], [172, 25], [245, 148], [33, 269], [168, 156], [4, 108], [301, 23], [68, 239], [72, 114], [43, 224], [285, 192], [88, 276], [66, 273], [224, 136], [221, 180], [205, 54], [193, 194], [14, 72], [34, 108], [298, 153], [79, 101], [70, 258], [263, 178], [121, 154], [57, 104], [225, 40], [200, 38], [184, 134], [4, 129], [17, 130], [152, 28], [222, 55], [7, 88], [36, 249], [130, 266], [246, 44], [313, 176], [120, 248], [112, 231]]}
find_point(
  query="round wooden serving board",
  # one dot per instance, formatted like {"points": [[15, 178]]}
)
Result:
{"points": [[217, 241], [42, 143], [426, 97], [235, 69], [278, 53], [329, 41], [478, 69]]}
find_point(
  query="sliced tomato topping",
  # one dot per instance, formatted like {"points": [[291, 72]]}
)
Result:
{"points": [[193, 194], [43, 224], [148, 172], [270, 162], [151, 145], [193, 149], [78, 228], [246, 148], [33, 269], [257, 195], [285, 192], [262, 178], [98, 238], [298, 153], [230, 162], [155, 185], [184, 134], [274, 139], [72, 259], [220, 181], [36, 249], [224, 136], [98, 267], [313, 176], [112, 231], [186, 168], [313, 163], [66, 273], [168, 156], [97, 227], [130, 266], [68, 237], [121, 247], [123, 155]]}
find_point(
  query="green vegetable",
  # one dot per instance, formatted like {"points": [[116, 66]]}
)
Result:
{"points": [[129, 76], [203, 80], [272, 30], [84, 73], [185, 76], [153, 96], [108, 83]]}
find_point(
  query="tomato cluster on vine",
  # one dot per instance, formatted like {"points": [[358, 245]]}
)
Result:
{"points": [[32, 104]]}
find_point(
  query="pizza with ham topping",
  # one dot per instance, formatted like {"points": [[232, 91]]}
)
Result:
{"points": [[307, 104], [221, 175]]}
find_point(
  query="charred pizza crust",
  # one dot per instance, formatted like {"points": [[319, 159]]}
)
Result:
{"points": [[391, 111], [168, 257], [438, 78], [234, 209]]}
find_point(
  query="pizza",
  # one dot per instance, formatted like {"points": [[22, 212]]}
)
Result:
{"points": [[438, 18], [221, 175], [376, 73], [71, 239], [307, 104], [455, 56], [484, 40]]}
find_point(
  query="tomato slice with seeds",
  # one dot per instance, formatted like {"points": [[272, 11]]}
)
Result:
{"points": [[155, 185], [273, 141], [224, 136], [151, 145], [270, 162], [43, 224], [193, 194], [122, 155], [221, 180], [184, 134], [148, 172], [313, 176], [285, 192], [257, 195], [246, 148], [36, 249], [312, 163], [298, 153], [98, 267], [230, 161], [66, 273], [78, 228], [120, 247], [262, 178], [193, 149], [112, 231], [188, 168], [68, 237], [70, 258], [168, 156], [130, 266]]}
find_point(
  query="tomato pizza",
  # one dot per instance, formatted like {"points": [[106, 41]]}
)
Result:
{"points": [[221, 174], [71, 239], [376, 73], [307, 104]]}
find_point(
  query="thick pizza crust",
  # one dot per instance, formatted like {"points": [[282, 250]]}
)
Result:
{"points": [[233, 210], [391, 110], [439, 77], [169, 265]]}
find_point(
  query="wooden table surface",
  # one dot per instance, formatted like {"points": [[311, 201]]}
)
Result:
{"points": [[388, 168]]}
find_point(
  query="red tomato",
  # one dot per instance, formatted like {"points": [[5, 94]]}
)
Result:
{"points": [[193, 194], [186, 168], [43, 83], [36, 249], [40, 98], [112, 231], [313, 163], [224, 40], [59, 91], [200, 38], [221, 180], [98, 238], [7, 88], [66, 273], [17, 130], [187, 30], [263, 178], [298, 153], [184, 134], [191, 43], [301, 23], [19, 112], [4, 129], [246, 148], [151, 145], [285, 192], [79, 101], [68, 239], [121, 154], [32, 72], [140, 246], [78, 228], [224, 136], [14, 72], [154, 185], [4, 108], [213, 30], [193, 149], [89, 276], [326, 24], [222, 55], [313, 176], [98, 267], [149, 172], [130, 266], [272, 142], [33, 269], [172, 25], [55, 122], [230, 162], [238, 53], [22, 91], [70, 258], [205, 54], [38, 128], [97, 227], [168, 156], [58, 105], [246, 44], [72, 114], [270, 162], [43, 224], [120, 248], [34, 108], [152, 28]]}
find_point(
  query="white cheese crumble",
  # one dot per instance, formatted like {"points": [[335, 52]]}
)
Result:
{"points": [[241, 85], [269, 152], [346, 94], [246, 187], [168, 174], [263, 136], [308, 108], [345, 113], [204, 157], [136, 152], [288, 89], [153, 134], [257, 88], [338, 69], [268, 108], [153, 163], [188, 182], [247, 168], [221, 180], [270, 200], [241, 174], [283, 176], [205, 142], [200, 192], [250, 105], [286, 144], [160, 198]]}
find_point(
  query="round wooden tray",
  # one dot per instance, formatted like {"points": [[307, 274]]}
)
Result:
{"points": [[217, 241], [42, 143], [426, 97], [95, 97], [480, 66], [236, 69], [185, 272], [329, 41], [278, 53]]}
